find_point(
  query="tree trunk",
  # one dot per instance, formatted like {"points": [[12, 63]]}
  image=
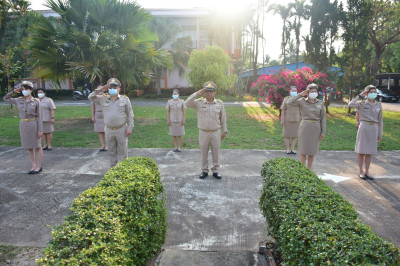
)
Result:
{"points": [[376, 65]]}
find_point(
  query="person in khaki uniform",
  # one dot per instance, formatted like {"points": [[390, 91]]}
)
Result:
{"points": [[30, 125], [176, 116], [48, 110], [290, 120], [118, 119], [370, 128], [312, 128], [98, 120], [211, 117]]}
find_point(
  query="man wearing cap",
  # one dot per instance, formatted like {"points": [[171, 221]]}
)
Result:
{"points": [[211, 117], [118, 119]]}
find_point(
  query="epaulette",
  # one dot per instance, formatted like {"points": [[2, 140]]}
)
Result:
{"points": [[20, 97], [125, 96], [218, 100]]}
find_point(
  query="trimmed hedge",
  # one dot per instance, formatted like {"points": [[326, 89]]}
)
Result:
{"points": [[312, 224], [121, 221]]}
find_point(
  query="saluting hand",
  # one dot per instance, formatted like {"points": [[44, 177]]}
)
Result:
{"points": [[365, 92], [223, 135], [321, 137], [17, 90], [200, 92], [305, 92]]}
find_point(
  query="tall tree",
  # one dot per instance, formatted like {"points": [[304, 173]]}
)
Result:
{"points": [[354, 57], [284, 13], [383, 29], [300, 12], [323, 33], [9, 9], [96, 39]]}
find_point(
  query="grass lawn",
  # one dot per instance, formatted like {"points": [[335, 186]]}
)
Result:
{"points": [[249, 128]]}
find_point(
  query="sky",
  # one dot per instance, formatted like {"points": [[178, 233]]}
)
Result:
{"points": [[272, 28]]}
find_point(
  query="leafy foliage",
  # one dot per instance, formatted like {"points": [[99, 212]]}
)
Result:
{"points": [[276, 86], [121, 221], [314, 225], [210, 64], [96, 39]]}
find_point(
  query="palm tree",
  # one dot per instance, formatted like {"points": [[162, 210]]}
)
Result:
{"points": [[301, 11], [96, 39], [284, 12]]}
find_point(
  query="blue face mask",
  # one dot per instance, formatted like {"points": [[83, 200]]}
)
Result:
{"points": [[175, 96], [293, 93], [372, 95], [113, 91]]}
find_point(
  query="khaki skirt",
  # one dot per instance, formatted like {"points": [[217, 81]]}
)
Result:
{"points": [[29, 134], [99, 124], [309, 134], [367, 138], [48, 127], [291, 129], [176, 129]]}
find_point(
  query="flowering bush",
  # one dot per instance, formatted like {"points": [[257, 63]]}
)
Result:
{"points": [[276, 86]]}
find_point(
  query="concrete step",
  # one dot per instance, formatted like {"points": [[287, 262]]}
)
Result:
{"points": [[173, 257]]}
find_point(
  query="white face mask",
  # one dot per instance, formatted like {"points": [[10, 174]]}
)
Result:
{"points": [[293, 93], [175, 96], [26, 92], [40, 95], [313, 95]]}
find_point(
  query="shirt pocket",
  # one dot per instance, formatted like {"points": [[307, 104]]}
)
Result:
{"points": [[106, 107], [217, 112], [31, 109], [121, 107]]}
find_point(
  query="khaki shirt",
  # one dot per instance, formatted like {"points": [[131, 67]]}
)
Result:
{"points": [[47, 106], [310, 110], [28, 109], [210, 116], [116, 113], [369, 112], [176, 110], [292, 111]]}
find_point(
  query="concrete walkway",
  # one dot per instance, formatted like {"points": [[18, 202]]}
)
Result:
{"points": [[211, 222]]}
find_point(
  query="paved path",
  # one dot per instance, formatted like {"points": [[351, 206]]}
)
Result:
{"points": [[221, 216]]}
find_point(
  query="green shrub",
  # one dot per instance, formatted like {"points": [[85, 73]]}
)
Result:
{"points": [[312, 224], [121, 221]]}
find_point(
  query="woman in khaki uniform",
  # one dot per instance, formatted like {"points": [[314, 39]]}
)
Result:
{"points": [[290, 120], [176, 116], [370, 130], [313, 123], [48, 109], [30, 125], [98, 120]]}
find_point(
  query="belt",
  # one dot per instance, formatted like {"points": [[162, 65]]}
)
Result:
{"points": [[209, 131], [115, 128], [314, 121], [28, 119], [369, 122]]}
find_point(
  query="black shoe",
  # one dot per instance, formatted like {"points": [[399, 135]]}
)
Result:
{"points": [[292, 152], [38, 171], [203, 175], [217, 175], [31, 172], [288, 152], [363, 177], [369, 177], [45, 148]]}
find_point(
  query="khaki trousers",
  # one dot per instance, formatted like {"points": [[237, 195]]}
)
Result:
{"points": [[207, 139], [117, 143]]}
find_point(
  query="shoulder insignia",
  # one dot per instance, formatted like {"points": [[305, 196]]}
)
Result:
{"points": [[20, 97]]}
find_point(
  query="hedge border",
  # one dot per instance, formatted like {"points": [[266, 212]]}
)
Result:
{"points": [[120, 221], [313, 224]]}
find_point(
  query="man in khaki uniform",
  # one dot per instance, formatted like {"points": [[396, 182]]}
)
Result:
{"points": [[211, 117], [118, 119]]}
